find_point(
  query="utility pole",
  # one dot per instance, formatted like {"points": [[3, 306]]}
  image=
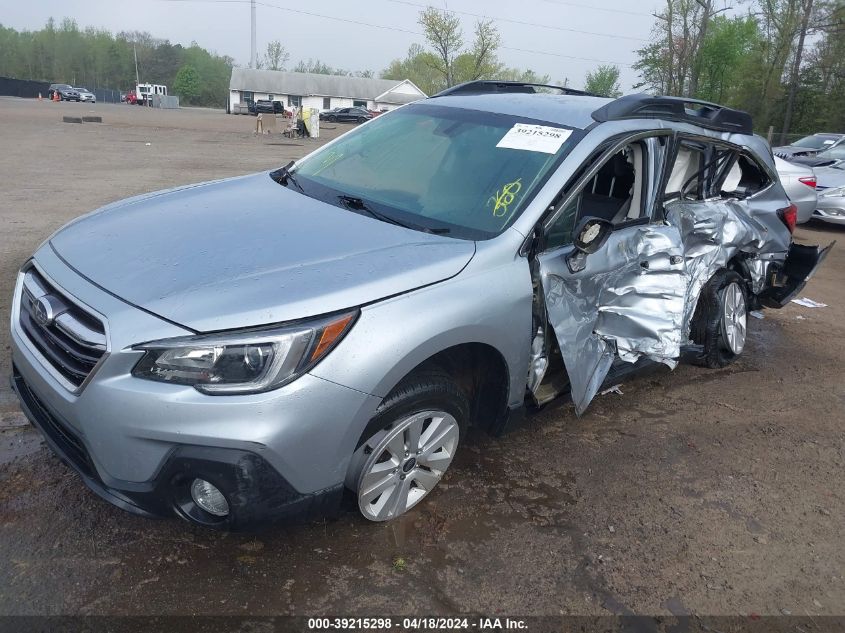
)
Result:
{"points": [[253, 58], [135, 52]]}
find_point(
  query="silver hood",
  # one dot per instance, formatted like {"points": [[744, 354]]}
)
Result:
{"points": [[247, 251]]}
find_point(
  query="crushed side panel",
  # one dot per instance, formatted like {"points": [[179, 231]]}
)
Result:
{"points": [[629, 301], [713, 233], [637, 296]]}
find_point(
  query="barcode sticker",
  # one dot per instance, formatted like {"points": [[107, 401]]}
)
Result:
{"points": [[535, 138]]}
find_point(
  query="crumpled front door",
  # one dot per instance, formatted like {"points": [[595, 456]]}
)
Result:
{"points": [[627, 301]]}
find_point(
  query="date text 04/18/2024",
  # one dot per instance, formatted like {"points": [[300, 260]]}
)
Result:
{"points": [[416, 624]]}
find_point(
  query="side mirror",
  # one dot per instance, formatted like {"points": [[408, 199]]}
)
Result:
{"points": [[590, 234]]}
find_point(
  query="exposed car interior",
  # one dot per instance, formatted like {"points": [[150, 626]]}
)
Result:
{"points": [[684, 176], [744, 179], [614, 194]]}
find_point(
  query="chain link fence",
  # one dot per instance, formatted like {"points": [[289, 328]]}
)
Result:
{"points": [[29, 89], [22, 87], [106, 95]]}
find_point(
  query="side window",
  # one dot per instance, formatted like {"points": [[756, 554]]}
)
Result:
{"points": [[560, 233], [617, 192]]}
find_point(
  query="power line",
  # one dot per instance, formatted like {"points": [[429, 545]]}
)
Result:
{"points": [[337, 19], [534, 24], [593, 8], [583, 59], [395, 28]]}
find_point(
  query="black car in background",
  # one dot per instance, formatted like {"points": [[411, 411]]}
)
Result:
{"points": [[66, 92], [266, 106], [346, 115]]}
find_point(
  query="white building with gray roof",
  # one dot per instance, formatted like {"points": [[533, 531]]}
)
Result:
{"points": [[323, 92]]}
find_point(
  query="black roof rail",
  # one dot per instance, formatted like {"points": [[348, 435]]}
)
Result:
{"points": [[491, 86], [701, 113]]}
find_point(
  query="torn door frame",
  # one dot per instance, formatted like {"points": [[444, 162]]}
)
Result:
{"points": [[642, 312]]}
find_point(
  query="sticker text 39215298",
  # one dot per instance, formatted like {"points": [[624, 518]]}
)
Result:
{"points": [[535, 138]]}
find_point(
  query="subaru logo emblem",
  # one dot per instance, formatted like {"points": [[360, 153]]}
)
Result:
{"points": [[42, 311]]}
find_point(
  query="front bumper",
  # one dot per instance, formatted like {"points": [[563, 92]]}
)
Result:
{"points": [[135, 442], [831, 211], [256, 492]]}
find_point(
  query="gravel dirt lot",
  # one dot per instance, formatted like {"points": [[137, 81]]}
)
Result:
{"points": [[697, 491]]}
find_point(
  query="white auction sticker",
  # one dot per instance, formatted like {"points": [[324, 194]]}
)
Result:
{"points": [[535, 138]]}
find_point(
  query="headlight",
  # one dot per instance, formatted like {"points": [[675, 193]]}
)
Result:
{"points": [[836, 192], [249, 361]]}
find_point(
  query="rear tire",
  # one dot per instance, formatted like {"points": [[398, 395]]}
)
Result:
{"points": [[720, 321], [410, 444]]}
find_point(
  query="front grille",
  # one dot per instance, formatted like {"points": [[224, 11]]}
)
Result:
{"points": [[68, 444], [71, 340]]}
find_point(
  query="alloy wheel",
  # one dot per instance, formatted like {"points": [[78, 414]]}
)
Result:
{"points": [[734, 318], [405, 463]]}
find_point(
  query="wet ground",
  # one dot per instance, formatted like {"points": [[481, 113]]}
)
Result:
{"points": [[697, 491]]}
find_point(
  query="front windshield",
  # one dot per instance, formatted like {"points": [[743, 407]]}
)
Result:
{"points": [[465, 172], [815, 142]]}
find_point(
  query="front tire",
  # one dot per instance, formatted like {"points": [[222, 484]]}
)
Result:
{"points": [[412, 441], [720, 322]]}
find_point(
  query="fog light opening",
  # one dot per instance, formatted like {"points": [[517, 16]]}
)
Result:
{"points": [[208, 497]]}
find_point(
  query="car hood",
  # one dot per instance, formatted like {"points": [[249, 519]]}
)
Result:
{"points": [[247, 251]]}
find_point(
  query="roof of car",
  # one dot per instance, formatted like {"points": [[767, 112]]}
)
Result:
{"points": [[569, 110]]}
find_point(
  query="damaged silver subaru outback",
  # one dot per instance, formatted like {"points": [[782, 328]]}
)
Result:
{"points": [[248, 349]]}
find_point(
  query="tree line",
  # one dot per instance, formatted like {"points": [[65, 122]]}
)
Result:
{"points": [[781, 60], [95, 58]]}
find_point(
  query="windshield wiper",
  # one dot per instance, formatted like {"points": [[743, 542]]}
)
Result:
{"points": [[358, 204], [284, 175]]}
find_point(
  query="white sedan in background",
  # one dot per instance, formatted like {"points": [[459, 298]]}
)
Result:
{"points": [[799, 182], [831, 206], [86, 95]]}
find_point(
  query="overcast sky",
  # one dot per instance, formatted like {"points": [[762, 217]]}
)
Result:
{"points": [[601, 30]]}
